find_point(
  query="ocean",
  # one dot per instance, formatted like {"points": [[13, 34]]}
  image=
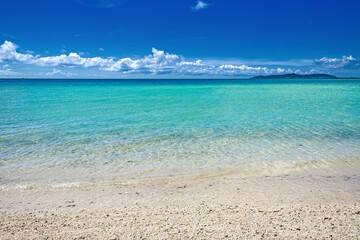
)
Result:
{"points": [[59, 132]]}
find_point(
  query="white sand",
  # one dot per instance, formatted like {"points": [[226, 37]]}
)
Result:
{"points": [[319, 204]]}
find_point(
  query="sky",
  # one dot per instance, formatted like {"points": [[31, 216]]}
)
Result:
{"points": [[178, 38]]}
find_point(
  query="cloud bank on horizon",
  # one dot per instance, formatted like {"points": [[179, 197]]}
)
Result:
{"points": [[158, 63], [339, 63]]}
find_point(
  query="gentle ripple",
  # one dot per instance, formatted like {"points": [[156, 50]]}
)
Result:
{"points": [[92, 130]]}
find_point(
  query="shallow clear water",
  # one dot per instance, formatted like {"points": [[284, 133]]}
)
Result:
{"points": [[90, 130]]}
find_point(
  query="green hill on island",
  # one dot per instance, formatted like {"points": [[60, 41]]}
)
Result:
{"points": [[297, 76]]}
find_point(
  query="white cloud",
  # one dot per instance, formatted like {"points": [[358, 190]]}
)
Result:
{"points": [[339, 63], [200, 5], [101, 49], [72, 60], [243, 69], [8, 72], [57, 72], [6, 66], [312, 71], [262, 62], [8, 53], [157, 63]]}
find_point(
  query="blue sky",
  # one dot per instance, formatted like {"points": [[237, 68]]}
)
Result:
{"points": [[178, 38]]}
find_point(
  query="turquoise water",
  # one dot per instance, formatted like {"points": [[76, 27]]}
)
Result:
{"points": [[66, 131]]}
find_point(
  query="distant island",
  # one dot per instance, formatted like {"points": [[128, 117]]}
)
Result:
{"points": [[297, 76]]}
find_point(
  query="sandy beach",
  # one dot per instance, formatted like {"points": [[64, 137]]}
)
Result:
{"points": [[317, 204], [192, 120]]}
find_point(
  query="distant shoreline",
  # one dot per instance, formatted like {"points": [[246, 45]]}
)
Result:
{"points": [[294, 76]]}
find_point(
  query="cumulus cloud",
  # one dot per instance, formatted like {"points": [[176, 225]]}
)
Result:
{"points": [[8, 53], [346, 62], [158, 62], [8, 72], [200, 5], [72, 60]]}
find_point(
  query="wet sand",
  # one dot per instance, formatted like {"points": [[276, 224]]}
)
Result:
{"points": [[317, 204]]}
